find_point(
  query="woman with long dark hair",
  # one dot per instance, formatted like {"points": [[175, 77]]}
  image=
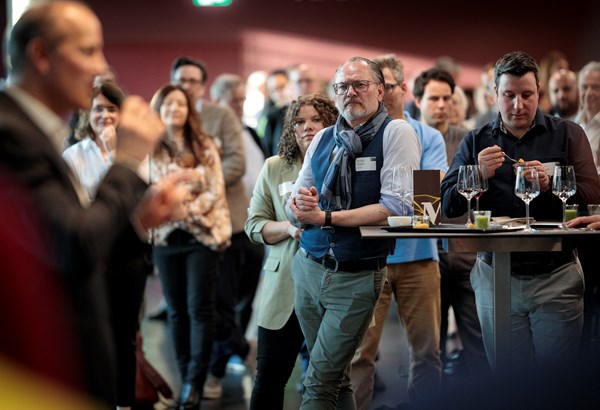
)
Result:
{"points": [[186, 253]]}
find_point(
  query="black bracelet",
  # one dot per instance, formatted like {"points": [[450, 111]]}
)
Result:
{"points": [[327, 219]]}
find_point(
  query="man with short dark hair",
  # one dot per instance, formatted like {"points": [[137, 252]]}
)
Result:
{"points": [[546, 287], [345, 182]]}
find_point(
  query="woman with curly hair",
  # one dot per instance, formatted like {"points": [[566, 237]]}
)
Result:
{"points": [[279, 335], [186, 253]]}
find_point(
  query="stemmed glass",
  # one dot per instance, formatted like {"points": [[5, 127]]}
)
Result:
{"points": [[468, 185], [402, 187], [484, 185], [563, 186], [527, 187]]}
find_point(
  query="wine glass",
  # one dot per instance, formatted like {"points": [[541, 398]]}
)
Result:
{"points": [[484, 185], [563, 186], [527, 187], [402, 187], [468, 185]]}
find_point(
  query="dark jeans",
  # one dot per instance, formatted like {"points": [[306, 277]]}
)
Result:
{"points": [[188, 271], [277, 353], [126, 284], [235, 272]]}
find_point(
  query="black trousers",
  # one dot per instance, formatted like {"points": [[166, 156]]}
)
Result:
{"points": [[126, 283], [277, 353], [239, 276], [188, 271]]}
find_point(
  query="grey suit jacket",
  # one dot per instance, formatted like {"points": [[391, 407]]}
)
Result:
{"points": [[80, 238], [222, 123], [271, 192]]}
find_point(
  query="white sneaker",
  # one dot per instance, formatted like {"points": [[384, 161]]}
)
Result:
{"points": [[250, 361], [213, 389]]}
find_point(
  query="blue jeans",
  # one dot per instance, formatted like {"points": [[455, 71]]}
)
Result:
{"points": [[188, 272], [334, 310]]}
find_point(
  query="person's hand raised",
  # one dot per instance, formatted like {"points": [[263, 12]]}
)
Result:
{"points": [[140, 129], [108, 136], [166, 201]]}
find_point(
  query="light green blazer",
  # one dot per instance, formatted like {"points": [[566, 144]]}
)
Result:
{"points": [[271, 192]]}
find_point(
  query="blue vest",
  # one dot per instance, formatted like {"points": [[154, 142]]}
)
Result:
{"points": [[346, 243]]}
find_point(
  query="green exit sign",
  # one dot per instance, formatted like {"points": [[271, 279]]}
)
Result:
{"points": [[211, 3]]}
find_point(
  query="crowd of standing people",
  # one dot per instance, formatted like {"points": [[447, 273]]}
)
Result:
{"points": [[181, 188]]}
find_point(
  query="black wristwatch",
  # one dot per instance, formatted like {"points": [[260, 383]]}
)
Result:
{"points": [[327, 224]]}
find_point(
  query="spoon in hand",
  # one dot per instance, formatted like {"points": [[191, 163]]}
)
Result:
{"points": [[507, 157]]}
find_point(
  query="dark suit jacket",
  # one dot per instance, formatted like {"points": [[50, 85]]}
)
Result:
{"points": [[80, 238]]}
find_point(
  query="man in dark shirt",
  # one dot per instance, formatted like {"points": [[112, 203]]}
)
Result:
{"points": [[547, 287]]}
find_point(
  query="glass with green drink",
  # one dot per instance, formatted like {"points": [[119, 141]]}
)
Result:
{"points": [[564, 186], [571, 211], [482, 219]]}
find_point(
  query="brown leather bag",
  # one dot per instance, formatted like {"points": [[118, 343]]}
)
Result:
{"points": [[148, 382]]}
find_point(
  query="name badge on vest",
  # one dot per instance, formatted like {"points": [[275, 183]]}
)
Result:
{"points": [[366, 164], [286, 188]]}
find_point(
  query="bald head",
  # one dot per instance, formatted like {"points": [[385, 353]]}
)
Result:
{"points": [[563, 93], [42, 21], [55, 51], [305, 80]]}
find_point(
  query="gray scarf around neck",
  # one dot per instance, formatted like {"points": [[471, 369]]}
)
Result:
{"points": [[336, 192]]}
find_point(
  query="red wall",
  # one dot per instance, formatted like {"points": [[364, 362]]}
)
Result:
{"points": [[143, 37]]}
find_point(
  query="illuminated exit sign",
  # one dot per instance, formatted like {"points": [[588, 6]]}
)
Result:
{"points": [[211, 3]]}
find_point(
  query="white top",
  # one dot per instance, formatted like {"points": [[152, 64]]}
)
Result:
{"points": [[592, 130], [400, 147], [254, 161], [90, 166]]}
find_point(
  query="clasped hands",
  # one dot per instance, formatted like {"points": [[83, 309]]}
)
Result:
{"points": [[492, 158], [305, 206]]}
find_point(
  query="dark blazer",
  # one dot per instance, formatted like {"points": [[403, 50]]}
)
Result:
{"points": [[80, 238]]}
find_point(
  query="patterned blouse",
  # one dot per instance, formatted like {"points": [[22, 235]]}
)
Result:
{"points": [[208, 214]]}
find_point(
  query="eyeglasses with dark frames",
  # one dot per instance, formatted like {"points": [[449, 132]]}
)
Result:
{"points": [[359, 86], [190, 81]]}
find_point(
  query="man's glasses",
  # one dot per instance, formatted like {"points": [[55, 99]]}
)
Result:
{"points": [[190, 81], [359, 86]]}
